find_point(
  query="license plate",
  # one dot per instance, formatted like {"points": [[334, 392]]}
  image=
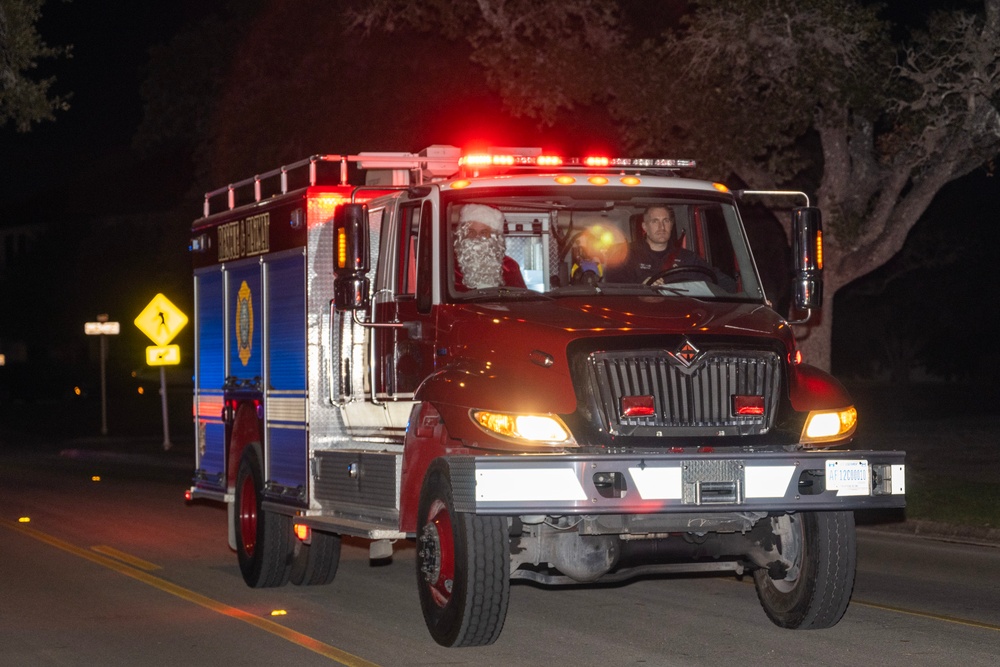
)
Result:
{"points": [[848, 477]]}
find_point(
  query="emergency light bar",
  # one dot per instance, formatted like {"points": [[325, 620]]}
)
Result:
{"points": [[434, 162], [480, 160]]}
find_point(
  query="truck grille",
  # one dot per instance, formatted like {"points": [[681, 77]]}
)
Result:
{"points": [[692, 395]]}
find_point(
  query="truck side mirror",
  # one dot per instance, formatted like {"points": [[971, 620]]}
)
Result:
{"points": [[807, 247], [351, 257]]}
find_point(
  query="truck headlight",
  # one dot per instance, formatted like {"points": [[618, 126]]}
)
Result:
{"points": [[535, 429], [824, 426]]}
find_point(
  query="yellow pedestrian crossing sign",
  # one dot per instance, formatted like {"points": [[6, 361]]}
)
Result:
{"points": [[161, 320], [163, 355]]}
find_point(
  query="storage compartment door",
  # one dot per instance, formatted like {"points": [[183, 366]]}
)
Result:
{"points": [[210, 375], [285, 395]]}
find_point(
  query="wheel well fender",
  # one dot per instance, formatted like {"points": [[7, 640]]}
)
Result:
{"points": [[426, 439], [245, 432], [813, 389]]}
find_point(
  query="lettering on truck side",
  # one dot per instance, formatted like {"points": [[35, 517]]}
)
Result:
{"points": [[244, 238]]}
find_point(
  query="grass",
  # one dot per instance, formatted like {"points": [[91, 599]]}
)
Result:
{"points": [[954, 501]]}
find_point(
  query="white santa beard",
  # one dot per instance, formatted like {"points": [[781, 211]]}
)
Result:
{"points": [[481, 261]]}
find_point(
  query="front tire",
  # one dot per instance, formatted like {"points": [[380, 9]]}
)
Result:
{"points": [[815, 591], [463, 567], [263, 539]]}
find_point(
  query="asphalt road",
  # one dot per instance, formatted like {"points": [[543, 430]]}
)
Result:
{"points": [[115, 568]]}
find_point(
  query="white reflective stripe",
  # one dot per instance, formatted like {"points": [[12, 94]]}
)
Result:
{"points": [[657, 483], [527, 484], [767, 481], [898, 479], [290, 427], [286, 409]]}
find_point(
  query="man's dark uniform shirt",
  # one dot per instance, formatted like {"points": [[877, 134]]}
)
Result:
{"points": [[643, 262]]}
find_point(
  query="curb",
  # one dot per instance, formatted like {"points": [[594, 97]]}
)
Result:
{"points": [[106, 456], [945, 532]]}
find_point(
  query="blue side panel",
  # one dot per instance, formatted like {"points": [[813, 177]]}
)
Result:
{"points": [[285, 399], [286, 291], [213, 461], [211, 344], [289, 456], [210, 375], [245, 306]]}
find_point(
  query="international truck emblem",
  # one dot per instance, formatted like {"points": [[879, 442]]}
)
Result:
{"points": [[686, 353], [244, 322]]}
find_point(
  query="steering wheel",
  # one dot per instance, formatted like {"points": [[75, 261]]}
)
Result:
{"points": [[663, 276]]}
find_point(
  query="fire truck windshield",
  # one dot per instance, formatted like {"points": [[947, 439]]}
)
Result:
{"points": [[557, 242]]}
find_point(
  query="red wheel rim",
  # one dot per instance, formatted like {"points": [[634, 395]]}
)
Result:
{"points": [[248, 515], [442, 545]]}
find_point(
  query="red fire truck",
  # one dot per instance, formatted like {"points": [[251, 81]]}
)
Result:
{"points": [[362, 369]]}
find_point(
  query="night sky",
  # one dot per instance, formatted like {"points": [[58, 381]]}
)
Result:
{"points": [[104, 74]]}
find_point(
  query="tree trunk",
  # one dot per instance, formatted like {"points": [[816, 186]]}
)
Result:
{"points": [[814, 338]]}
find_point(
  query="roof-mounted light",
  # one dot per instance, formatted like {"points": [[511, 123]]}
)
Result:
{"points": [[485, 160], [533, 158]]}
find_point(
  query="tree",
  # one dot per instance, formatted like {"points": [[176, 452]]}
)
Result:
{"points": [[818, 94], [24, 100]]}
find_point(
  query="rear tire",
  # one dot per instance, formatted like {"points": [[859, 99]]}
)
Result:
{"points": [[315, 564], [463, 567], [263, 539], [815, 591]]}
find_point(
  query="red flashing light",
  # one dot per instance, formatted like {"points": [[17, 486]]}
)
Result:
{"points": [[475, 160], [321, 207], [748, 405], [548, 161], [638, 406], [596, 161], [486, 160]]}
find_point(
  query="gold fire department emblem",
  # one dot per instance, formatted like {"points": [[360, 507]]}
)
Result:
{"points": [[244, 322]]}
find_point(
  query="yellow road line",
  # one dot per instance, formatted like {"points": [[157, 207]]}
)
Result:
{"points": [[926, 614], [305, 641], [911, 612], [126, 558]]}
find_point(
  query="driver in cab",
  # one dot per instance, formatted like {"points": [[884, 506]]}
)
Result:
{"points": [[658, 251]]}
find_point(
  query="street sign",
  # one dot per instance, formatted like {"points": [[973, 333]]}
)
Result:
{"points": [[101, 328], [161, 320], [163, 355]]}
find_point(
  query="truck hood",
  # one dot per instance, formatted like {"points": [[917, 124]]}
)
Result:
{"points": [[514, 354], [566, 319]]}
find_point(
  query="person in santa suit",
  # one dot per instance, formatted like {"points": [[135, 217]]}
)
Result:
{"points": [[480, 249]]}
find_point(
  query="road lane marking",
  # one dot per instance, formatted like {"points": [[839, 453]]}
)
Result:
{"points": [[926, 614], [909, 612], [305, 641], [126, 558]]}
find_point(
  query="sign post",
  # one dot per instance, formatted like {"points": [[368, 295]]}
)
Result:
{"points": [[161, 320], [103, 328]]}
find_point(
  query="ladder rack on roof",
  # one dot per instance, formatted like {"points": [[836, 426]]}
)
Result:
{"points": [[435, 165]]}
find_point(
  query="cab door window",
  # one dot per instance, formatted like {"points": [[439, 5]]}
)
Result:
{"points": [[409, 230]]}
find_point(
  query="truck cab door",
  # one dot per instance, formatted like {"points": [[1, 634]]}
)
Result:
{"points": [[404, 293]]}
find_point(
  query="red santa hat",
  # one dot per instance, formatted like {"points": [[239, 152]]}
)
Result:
{"points": [[481, 213]]}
